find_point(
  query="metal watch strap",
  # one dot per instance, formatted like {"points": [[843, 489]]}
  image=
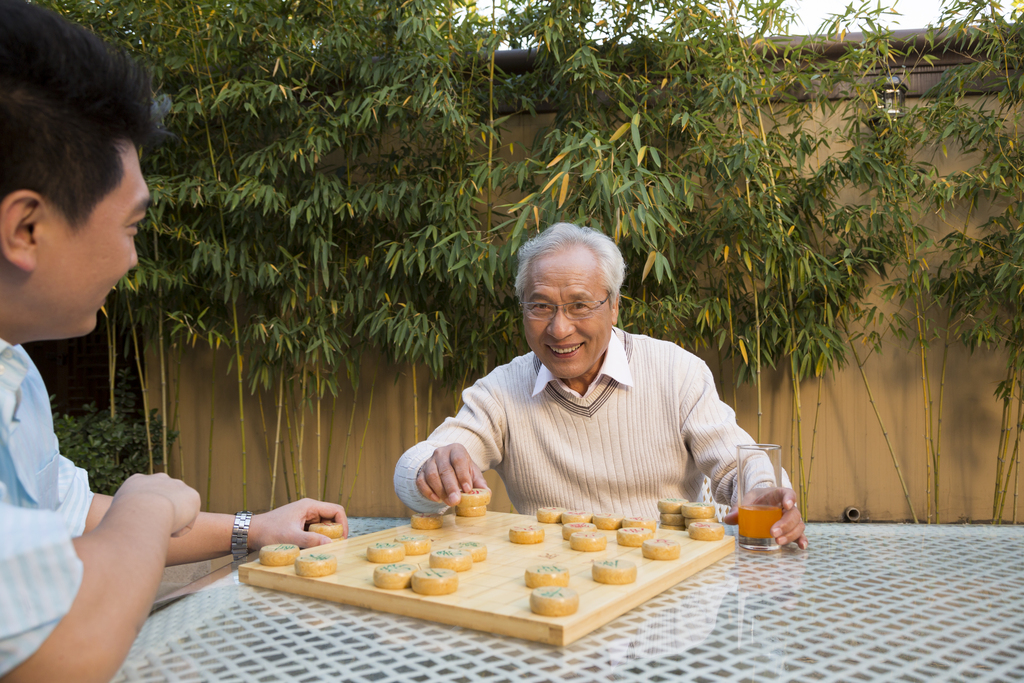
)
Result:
{"points": [[240, 535]]}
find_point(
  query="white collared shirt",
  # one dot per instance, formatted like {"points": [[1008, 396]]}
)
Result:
{"points": [[615, 366]]}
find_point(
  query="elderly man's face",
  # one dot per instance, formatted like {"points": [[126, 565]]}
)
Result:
{"points": [[572, 350]]}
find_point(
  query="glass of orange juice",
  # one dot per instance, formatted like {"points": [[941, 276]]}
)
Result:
{"points": [[760, 506]]}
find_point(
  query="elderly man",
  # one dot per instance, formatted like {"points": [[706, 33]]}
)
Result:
{"points": [[594, 418]]}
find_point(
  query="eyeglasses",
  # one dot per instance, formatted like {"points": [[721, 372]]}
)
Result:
{"points": [[574, 310]]}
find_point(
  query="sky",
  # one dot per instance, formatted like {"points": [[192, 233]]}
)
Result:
{"points": [[910, 13]]}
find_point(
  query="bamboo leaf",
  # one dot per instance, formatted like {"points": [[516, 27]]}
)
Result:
{"points": [[620, 131], [565, 190], [556, 159], [647, 266]]}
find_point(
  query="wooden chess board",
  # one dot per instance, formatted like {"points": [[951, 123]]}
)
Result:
{"points": [[493, 596]]}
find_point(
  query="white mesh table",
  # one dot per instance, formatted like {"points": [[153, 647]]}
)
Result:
{"points": [[864, 603]]}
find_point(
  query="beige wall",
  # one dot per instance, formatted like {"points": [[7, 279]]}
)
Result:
{"points": [[851, 466]]}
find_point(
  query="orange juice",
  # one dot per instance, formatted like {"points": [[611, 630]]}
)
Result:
{"points": [[756, 520]]}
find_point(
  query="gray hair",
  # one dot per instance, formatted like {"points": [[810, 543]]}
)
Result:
{"points": [[562, 236]]}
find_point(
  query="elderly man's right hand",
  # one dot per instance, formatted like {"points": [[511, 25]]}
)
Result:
{"points": [[448, 474]]}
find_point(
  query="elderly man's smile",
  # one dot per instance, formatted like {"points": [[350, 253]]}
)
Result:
{"points": [[565, 351]]}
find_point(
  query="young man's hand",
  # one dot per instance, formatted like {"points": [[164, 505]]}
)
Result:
{"points": [[183, 500], [287, 524]]}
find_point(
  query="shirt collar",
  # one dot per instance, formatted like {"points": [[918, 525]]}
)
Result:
{"points": [[13, 369], [615, 366]]}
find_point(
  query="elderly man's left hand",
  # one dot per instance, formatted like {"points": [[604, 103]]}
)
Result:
{"points": [[287, 524], [788, 529]]}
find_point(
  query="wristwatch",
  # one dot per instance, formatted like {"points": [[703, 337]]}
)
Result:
{"points": [[240, 535]]}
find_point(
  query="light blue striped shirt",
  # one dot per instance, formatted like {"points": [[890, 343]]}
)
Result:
{"points": [[44, 500]]}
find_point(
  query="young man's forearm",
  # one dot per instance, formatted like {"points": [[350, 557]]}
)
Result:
{"points": [[123, 558]]}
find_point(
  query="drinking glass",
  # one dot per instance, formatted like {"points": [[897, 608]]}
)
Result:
{"points": [[758, 477]]}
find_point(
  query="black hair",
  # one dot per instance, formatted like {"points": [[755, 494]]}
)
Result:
{"points": [[69, 105]]}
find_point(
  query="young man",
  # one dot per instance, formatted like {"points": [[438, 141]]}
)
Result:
{"points": [[78, 572]]}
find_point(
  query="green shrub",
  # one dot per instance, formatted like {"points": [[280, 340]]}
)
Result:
{"points": [[110, 448]]}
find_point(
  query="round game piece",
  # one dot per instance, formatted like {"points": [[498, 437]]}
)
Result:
{"points": [[574, 516], [615, 572], [394, 576], [424, 520], [607, 522], [526, 534], [687, 521], [660, 549], [646, 522], [328, 529], [672, 527], [435, 581], [550, 515], [474, 511], [475, 498], [671, 505], [569, 529], [278, 555], [554, 601], [316, 564], [588, 541], [385, 552], [698, 510], [456, 560], [633, 536], [706, 531], [672, 518], [415, 544], [546, 575], [476, 549]]}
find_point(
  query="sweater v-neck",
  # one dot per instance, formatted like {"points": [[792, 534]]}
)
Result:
{"points": [[589, 406]]}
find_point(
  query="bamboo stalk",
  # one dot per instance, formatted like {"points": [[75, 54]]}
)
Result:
{"points": [[330, 443], [937, 452], [362, 444], [804, 484], [266, 439], [213, 421], [277, 438], [142, 385], [415, 408], [757, 352], [1014, 459], [163, 368], [430, 408], [814, 431], [319, 399], [1016, 472], [732, 340], [348, 440], [177, 406], [163, 394], [300, 408], [1004, 436], [885, 433], [289, 411], [111, 351], [241, 403]]}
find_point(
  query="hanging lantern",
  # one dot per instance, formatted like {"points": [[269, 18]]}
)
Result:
{"points": [[892, 97]]}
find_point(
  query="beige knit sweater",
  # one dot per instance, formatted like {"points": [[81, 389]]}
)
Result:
{"points": [[619, 449]]}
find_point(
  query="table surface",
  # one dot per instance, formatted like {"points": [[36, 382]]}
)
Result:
{"points": [[866, 602]]}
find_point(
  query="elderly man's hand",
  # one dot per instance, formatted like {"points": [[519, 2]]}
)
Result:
{"points": [[448, 474], [788, 529]]}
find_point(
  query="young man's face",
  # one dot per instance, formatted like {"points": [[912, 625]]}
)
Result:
{"points": [[79, 266]]}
